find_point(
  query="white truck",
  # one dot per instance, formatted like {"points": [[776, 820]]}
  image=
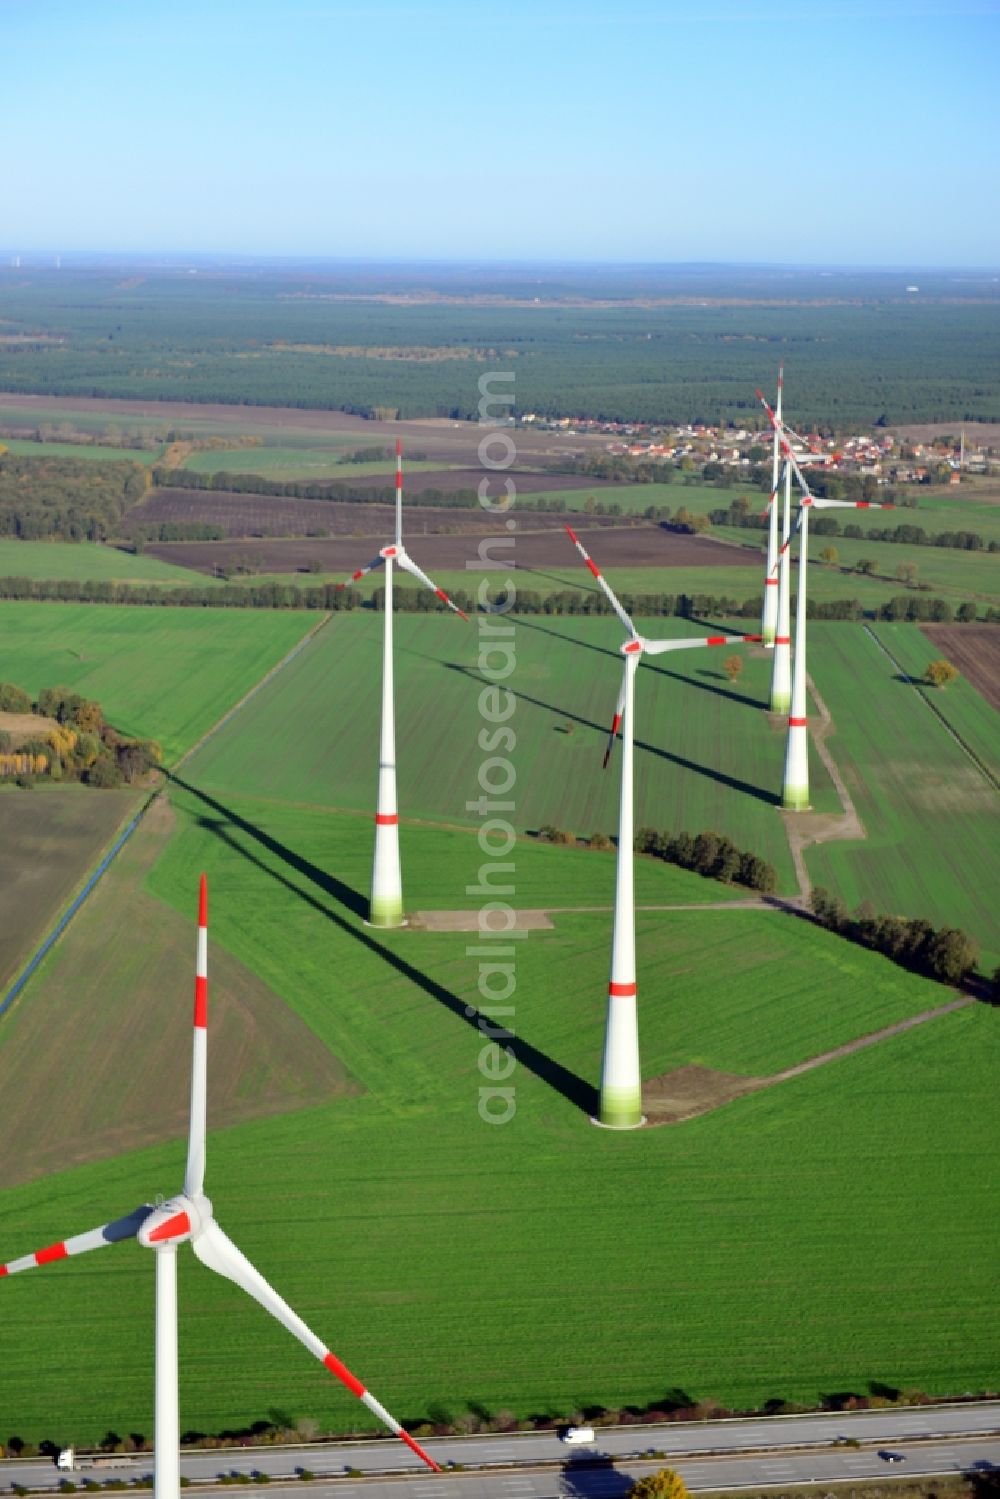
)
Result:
{"points": [[68, 1462]]}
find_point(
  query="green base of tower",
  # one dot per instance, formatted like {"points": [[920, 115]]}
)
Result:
{"points": [[795, 798], [385, 913], [620, 1110], [780, 705]]}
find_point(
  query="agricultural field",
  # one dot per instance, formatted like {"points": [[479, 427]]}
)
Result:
{"points": [[970, 705], [294, 463], [97, 977], [363, 1047], [164, 674], [706, 755], [86, 561], [693, 1264], [51, 838], [28, 448], [542, 549], [975, 652], [929, 814]]}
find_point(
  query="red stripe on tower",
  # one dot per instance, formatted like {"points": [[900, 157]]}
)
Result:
{"points": [[782, 640], [201, 1002], [54, 1252], [797, 723], [344, 1374], [771, 582], [386, 819], [621, 991]]}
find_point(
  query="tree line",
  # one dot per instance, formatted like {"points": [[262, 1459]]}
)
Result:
{"points": [[329, 596], [946, 953]]}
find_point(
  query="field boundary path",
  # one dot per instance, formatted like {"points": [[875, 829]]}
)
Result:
{"points": [[804, 829], [122, 836], [690, 1091], [984, 770]]}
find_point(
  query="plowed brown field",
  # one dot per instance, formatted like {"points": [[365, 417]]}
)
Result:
{"points": [[975, 650], [633, 546], [264, 515]]}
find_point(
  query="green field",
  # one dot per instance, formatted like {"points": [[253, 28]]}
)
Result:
{"points": [[699, 1252], [789, 1244], [164, 674], [87, 561], [930, 815], [28, 448], [706, 757], [290, 462], [961, 706]]}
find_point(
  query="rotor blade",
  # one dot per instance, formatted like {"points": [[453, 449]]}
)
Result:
{"points": [[616, 722], [626, 621], [399, 493], [376, 562], [406, 561], [216, 1250], [657, 647], [96, 1238], [194, 1174]]}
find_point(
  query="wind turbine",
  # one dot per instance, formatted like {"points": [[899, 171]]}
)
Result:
{"points": [[769, 617], [795, 784], [621, 1081], [386, 904], [189, 1218]]}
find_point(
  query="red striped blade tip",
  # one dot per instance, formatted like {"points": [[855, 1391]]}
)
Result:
{"points": [[203, 902], [399, 448], [572, 534]]}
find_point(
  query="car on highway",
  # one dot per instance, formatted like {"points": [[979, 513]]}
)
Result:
{"points": [[577, 1435], [891, 1457]]}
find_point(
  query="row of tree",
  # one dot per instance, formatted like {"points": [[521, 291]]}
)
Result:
{"points": [[529, 601], [944, 953], [710, 854]]}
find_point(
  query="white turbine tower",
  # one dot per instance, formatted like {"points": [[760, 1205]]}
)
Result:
{"points": [[769, 617], [781, 664], [189, 1218], [386, 904], [621, 1080], [795, 784]]}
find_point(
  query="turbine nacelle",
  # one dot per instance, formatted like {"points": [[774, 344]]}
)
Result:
{"points": [[176, 1222]]}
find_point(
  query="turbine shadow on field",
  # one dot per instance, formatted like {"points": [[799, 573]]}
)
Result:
{"points": [[733, 782], [345, 894], [736, 697], [576, 1090]]}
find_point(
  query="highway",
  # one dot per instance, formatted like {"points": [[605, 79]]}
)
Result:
{"points": [[934, 1439]]}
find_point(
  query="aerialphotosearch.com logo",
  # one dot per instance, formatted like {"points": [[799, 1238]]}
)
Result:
{"points": [[496, 949]]}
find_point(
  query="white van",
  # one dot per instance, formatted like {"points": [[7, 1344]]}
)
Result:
{"points": [[575, 1435]]}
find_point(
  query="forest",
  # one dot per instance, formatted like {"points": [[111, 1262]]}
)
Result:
{"points": [[858, 353]]}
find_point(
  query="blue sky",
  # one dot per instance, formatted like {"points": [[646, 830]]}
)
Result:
{"points": [[834, 133]]}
